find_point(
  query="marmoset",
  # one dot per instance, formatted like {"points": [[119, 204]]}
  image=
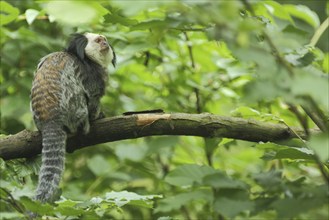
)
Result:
{"points": [[65, 97]]}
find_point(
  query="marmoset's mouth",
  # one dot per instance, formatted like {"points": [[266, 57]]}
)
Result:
{"points": [[105, 49]]}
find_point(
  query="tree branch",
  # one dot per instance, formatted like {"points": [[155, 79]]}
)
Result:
{"points": [[28, 143]]}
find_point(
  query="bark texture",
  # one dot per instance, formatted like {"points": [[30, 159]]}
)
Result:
{"points": [[28, 143]]}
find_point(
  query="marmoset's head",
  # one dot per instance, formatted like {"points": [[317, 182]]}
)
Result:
{"points": [[93, 46]]}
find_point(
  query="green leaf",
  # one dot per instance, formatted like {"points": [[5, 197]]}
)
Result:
{"points": [[230, 207], [131, 152], [320, 144], [115, 18], [76, 12], [307, 59], [271, 146], [231, 202], [304, 13], [2, 164], [122, 198], [245, 112], [137, 47], [219, 180], [286, 208], [70, 207], [69, 211], [262, 12], [165, 218], [67, 203], [155, 23], [8, 13], [188, 175], [270, 180], [295, 153], [311, 83], [96, 200], [11, 215], [99, 166], [23, 169], [285, 152], [158, 24], [211, 144], [159, 144], [31, 15], [37, 207], [261, 90], [132, 8], [262, 204], [278, 10], [176, 202], [325, 64], [296, 33]]}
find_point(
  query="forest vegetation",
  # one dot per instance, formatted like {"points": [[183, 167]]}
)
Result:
{"points": [[244, 87]]}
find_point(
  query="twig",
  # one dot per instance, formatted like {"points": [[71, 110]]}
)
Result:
{"points": [[315, 113], [191, 29], [147, 58], [196, 90], [301, 118], [318, 33], [190, 50], [12, 201]]}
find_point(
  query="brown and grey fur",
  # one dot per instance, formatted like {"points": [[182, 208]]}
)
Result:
{"points": [[65, 97]]}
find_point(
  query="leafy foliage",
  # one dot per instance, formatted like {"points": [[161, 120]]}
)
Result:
{"points": [[260, 60]]}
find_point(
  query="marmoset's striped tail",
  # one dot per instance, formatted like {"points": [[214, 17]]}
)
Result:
{"points": [[53, 158]]}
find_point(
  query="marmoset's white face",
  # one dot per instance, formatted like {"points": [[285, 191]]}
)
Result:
{"points": [[99, 50]]}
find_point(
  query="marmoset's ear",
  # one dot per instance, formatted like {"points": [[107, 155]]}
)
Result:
{"points": [[114, 60]]}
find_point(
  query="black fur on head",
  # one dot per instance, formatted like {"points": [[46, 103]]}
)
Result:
{"points": [[77, 45]]}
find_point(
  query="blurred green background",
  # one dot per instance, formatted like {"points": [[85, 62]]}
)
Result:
{"points": [[180, 56]]}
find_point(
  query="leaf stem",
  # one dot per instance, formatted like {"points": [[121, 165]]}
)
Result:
{"points": [[318, 33]]}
